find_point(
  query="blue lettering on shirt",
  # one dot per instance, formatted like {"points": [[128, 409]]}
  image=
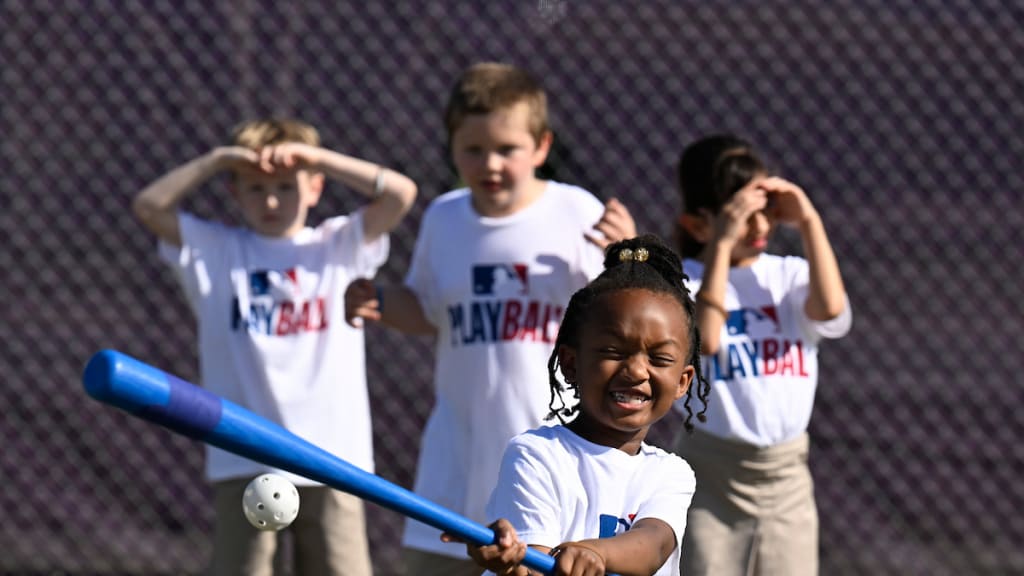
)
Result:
{"points": [[482, 322], [762, 357]]}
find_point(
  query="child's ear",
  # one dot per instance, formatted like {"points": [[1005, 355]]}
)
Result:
{"points": [[540, 155], [698, 226], [567, 362], [685, 380]]}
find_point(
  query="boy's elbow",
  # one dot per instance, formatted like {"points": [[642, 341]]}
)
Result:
{"points": [[398, 199], [407, 195], [161, 222], [386, 212], [836, 310], [143, 209], [825, 311]]}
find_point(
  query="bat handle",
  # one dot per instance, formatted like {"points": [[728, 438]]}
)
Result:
{"points": [[537, 560]]}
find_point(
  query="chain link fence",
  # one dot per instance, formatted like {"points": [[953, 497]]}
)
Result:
{"points": [[902, 119]]}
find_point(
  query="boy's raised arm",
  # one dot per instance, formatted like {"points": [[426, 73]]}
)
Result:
{"points": [[156, 206], [392, 193]]}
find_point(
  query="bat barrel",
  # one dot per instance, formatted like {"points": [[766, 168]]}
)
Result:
{"points": [[122, 381], [154, 395]]}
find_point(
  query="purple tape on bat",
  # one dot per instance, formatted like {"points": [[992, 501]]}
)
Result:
{"points": [[190, 409]]}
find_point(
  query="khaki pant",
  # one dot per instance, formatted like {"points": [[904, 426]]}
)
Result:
{"points": [[329, 535], [753, 513], [422, 563]]}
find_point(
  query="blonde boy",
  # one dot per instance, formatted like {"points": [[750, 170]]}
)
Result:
{"points": [[268, 301], [494, 266]]}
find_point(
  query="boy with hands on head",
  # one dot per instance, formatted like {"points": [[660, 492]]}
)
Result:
{"points": [[494, 266], [281, 155], [268, 300]]}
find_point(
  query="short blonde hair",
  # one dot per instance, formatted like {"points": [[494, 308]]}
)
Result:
{"points": [[489, 86], [255, 134]]}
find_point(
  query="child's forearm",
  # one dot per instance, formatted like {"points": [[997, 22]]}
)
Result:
{"points": [[392, 192], [400, 309], [826, 296], [355, 173], [157, 204], [638, 552], [167, 191]]}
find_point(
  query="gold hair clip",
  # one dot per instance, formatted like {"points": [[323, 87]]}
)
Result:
{"points": [[638, 255]]}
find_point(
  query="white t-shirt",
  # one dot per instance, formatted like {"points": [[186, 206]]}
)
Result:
{"points": [[272, 331], [556, 487], [764, 377], [496, 289]]}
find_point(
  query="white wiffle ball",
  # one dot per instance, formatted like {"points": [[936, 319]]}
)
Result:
{"points": [[270, 502]]}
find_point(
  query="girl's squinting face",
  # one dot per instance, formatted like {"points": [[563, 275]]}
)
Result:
{"points": [[631, 365]]}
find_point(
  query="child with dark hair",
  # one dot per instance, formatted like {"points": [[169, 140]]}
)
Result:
{"points": [[590, 491], [761, 317]]}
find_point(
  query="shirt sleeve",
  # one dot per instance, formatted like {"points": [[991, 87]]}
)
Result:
{"points": [[814, 330], [525, 496], [363, 258], [192, 261], [671, 500], [834, 328]]}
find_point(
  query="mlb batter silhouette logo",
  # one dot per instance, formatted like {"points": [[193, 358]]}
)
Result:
{"points": [[278, 307], [280, 285], [753, 321], [610, 525], [500, 280]]}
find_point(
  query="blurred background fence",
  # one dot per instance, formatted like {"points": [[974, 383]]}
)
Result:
{"points": [[903, 119]]}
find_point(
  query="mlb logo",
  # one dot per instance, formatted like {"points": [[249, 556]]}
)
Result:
{"points": [[753, 321], [610, 525], [281, 285], [500, 279]]}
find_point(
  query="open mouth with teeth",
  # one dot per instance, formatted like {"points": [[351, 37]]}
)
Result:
{"points": [[632, 399]]}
